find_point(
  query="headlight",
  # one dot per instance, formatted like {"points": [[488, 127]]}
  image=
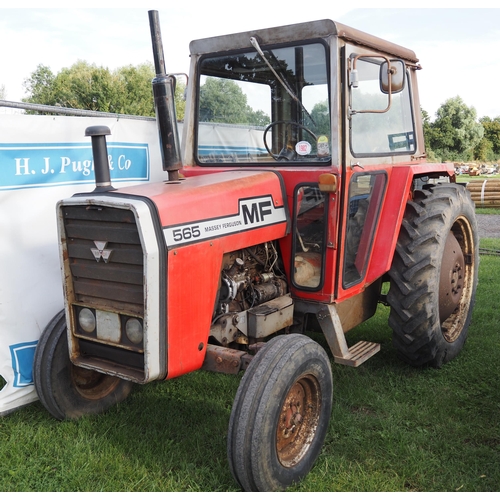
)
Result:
{"points": [[87, 321], [133, 329]]}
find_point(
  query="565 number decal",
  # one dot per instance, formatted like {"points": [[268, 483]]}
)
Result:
{"points": [[252, 213], [186, 233]]}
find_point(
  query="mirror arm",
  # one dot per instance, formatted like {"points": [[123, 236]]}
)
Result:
{"points": [[354, 82]]}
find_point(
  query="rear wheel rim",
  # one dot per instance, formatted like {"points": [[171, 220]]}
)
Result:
{"points": [[451, 283], [456, 280]]}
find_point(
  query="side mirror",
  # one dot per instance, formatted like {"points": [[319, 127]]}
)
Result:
{"points": [[392, 77], [365, 70]]}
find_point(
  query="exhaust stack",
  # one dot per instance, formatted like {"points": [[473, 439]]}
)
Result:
{"points": [[163, 94], [98, 135]]}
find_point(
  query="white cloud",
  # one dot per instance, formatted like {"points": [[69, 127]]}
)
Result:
{"points": [[459, 49], [468, 69]]}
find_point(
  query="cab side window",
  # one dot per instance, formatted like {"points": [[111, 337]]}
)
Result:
{"points": [[379, 133], [309, 237], [366, 192]]}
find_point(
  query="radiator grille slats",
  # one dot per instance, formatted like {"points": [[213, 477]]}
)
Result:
{"points": [[123, 254], [126, 299], [107, 272], [105, 257], [116, 232]]}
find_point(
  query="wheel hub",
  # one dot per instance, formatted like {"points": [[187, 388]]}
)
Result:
{"points": [[91, 384], [298, 421], [293, 418]]}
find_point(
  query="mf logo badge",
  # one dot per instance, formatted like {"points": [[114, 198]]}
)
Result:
{"points": [[101, 251]]}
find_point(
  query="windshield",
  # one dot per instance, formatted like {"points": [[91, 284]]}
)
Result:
{"points": [[265, 106]]}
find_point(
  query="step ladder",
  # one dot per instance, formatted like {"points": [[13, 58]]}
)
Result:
{"points": [[329, 321]]}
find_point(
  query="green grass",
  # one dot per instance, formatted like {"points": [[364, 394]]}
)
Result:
{"points": [[467, 178], [489, 246], [487, 211], [393, 427]]}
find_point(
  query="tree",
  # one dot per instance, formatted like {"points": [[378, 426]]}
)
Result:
{"points": [[455, 133], [127, 90], [488, 148], [258, 118], [321, 117], [137, 93], [39, 86], [427, 126], [180, 101], [427, 129], [86, 86], [224, 101]]}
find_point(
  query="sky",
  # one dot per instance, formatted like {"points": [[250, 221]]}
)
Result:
{"points": [[458, 48]]}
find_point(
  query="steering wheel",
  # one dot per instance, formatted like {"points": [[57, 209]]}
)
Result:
{"points": [[286, 154]]}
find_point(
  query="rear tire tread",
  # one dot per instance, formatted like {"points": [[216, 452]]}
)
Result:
{"points": [[415, 272]]}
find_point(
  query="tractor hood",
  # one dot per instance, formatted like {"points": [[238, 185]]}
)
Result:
{"points": [[217, 205]]}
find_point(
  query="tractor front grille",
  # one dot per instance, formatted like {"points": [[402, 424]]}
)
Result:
{"points": [[105, 258]]}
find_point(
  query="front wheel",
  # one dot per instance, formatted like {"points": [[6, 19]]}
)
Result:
{"points": [[434, 275], [68, 391], [280, 414]]}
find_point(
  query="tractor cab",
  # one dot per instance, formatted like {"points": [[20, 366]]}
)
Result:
{"points": [[322, 95], [331, 109]]}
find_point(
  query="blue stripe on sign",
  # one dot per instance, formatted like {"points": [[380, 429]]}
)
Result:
{"points": [[22, 363], [35, 165]]}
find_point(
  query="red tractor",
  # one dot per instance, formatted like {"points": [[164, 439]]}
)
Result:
{"points": [[303, 188]]}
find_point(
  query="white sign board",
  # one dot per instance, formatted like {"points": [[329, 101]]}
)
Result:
{"points": [[44, 159]]}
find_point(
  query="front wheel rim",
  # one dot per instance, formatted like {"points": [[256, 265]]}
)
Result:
{"points": [[91, 384], [298, 420]]}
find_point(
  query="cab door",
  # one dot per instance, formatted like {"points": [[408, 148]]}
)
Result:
{"points": [[364, 200], [378, 126]]}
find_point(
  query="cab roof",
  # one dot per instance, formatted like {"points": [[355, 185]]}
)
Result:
{"points": [[298, 32]]}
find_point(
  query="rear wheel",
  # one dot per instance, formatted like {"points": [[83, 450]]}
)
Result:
{"points": [[280, 414], [68, 391], [434, 275]]}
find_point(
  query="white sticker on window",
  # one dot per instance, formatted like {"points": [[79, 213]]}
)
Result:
{"points": [[303, 148]]}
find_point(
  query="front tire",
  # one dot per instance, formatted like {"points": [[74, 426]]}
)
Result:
{"points": [[434, 275], [68, 391], [280, 414]]}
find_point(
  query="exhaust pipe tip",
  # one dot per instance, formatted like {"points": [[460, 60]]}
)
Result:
{"points": [[163, 95], [98, 134]]}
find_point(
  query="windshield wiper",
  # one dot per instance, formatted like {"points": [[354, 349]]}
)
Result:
{"points": [[285, 85]]}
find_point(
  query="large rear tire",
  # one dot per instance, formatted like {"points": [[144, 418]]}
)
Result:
{"points": [[280, 414], [68, 391], [434, 275]]}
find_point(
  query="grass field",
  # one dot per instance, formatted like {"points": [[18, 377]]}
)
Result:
{"points": [[393, 428]]}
